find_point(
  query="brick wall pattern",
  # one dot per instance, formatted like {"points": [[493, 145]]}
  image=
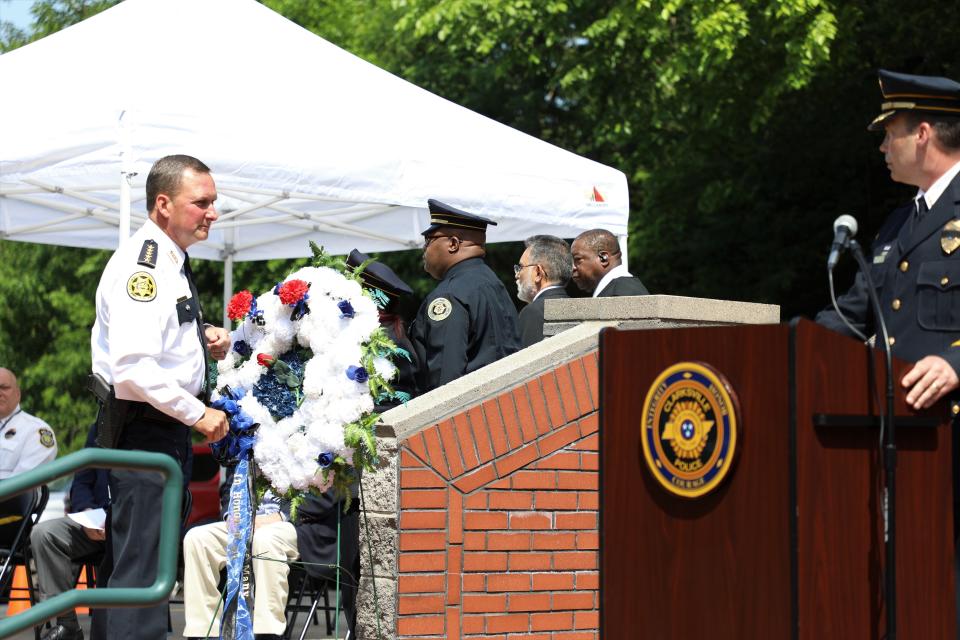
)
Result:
{"points": [[498, 533]]}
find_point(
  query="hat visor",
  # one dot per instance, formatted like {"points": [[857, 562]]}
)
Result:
{"points": [[877, 124], [430, 229]]}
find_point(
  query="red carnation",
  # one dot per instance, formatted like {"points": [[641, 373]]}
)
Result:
{"points": [[265, 360], [292, 291], [239, 305]]}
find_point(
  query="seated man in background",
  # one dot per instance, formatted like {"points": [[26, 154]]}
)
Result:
{"points": [[310, 538], [543, 272], [598, 269], [58, 544], [25, 442]]}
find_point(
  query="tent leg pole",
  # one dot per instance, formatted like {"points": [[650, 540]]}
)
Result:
{"points": [[126, 175], [227, 288], [623, 249]]}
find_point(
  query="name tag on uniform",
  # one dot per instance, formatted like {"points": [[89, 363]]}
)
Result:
{"points": [[880, 257], [187, 310]]}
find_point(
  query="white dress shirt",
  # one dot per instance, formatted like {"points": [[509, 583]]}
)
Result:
{"points": [[936, 190], [139, 346]]}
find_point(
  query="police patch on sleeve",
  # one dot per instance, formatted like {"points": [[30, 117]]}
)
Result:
{"points": [[46, 437], [439, 309], [142, 287]]}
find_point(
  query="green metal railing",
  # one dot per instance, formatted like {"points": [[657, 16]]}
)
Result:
{"points": [[169, 532]]}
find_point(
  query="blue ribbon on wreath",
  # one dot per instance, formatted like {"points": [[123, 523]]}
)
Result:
{"points": [[237, 448]]}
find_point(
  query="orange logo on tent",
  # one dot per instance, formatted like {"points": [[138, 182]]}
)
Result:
{"points": [[596, 197]]}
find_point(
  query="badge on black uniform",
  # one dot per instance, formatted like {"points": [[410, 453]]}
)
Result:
{"points": [[439, 309], [950, 238]]}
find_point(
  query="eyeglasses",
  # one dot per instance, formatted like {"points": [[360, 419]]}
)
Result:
{"points": [[517, 268], [428, 239]]}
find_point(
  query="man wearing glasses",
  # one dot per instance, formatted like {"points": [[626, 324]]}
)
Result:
{"points": [[468, 320], [543, 272]]}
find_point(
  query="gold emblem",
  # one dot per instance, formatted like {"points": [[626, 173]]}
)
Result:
{"points": [[142, 287], [46, 438], [690, 429], [950, 238], [439, 309]]}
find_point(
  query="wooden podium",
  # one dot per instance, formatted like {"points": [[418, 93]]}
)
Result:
{"points": [[791, 544]]}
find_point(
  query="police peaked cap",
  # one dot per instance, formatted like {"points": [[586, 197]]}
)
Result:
{"points": [[443, 215], [378, 275], [905, 92]]}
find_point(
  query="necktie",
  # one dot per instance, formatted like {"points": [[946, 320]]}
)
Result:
{"points": [[920, 209], [187, 271]]}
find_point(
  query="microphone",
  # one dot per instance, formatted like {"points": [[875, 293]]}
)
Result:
{"points": [[844, 228]]}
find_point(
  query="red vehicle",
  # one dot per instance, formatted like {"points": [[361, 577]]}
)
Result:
{"points": [[204, 487]]}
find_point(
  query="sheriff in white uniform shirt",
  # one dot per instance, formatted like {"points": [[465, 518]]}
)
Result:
{"points": [[148, 341], [25, 440]]}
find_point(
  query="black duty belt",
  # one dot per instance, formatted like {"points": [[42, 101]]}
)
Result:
{"points": [[146, 411]]}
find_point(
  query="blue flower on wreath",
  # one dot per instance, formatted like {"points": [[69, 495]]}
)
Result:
{"points": [[325, 460], [275, 394], [241, 347], [357, 374]]}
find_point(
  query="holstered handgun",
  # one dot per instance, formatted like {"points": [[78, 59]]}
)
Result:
{"points": [[113, 412]]}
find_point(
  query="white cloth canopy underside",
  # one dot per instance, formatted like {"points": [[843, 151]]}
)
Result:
{"points": [[305, 140]]}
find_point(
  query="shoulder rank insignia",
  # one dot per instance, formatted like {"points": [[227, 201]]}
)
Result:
{"points": [[439, 309], [148, 254], [46, 437], [142, 287], [950, 238]]}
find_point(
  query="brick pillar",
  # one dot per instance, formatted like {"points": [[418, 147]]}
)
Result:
{"points": [[499, 514]]}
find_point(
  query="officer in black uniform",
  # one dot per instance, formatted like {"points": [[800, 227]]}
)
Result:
{"points": [[468, 320], [387, 288], [916, 261]]}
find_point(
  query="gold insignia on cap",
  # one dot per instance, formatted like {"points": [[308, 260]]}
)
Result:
{"points": [[142, 287], [950, 237], [439, 309], [46, 438]]}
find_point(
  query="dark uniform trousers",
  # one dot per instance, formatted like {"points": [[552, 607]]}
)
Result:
{"points": [[136, 498]]}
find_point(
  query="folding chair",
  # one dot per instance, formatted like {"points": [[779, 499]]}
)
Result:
{"points": [[18, 553], [303, 584]]}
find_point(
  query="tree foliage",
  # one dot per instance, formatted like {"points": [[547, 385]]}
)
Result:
{"points": [[739, 124]]}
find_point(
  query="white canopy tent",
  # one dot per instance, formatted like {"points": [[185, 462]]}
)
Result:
{"points": [[306, 141]]}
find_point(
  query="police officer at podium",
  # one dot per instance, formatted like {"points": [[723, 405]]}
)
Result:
{"points": [[916, 254], [150, 349], [916, 261]]}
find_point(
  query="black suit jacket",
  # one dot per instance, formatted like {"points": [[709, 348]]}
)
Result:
{"points": [[531, 317], [625, 286]]}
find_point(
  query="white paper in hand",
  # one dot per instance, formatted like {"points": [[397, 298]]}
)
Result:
{"points": [[92, 519]]}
